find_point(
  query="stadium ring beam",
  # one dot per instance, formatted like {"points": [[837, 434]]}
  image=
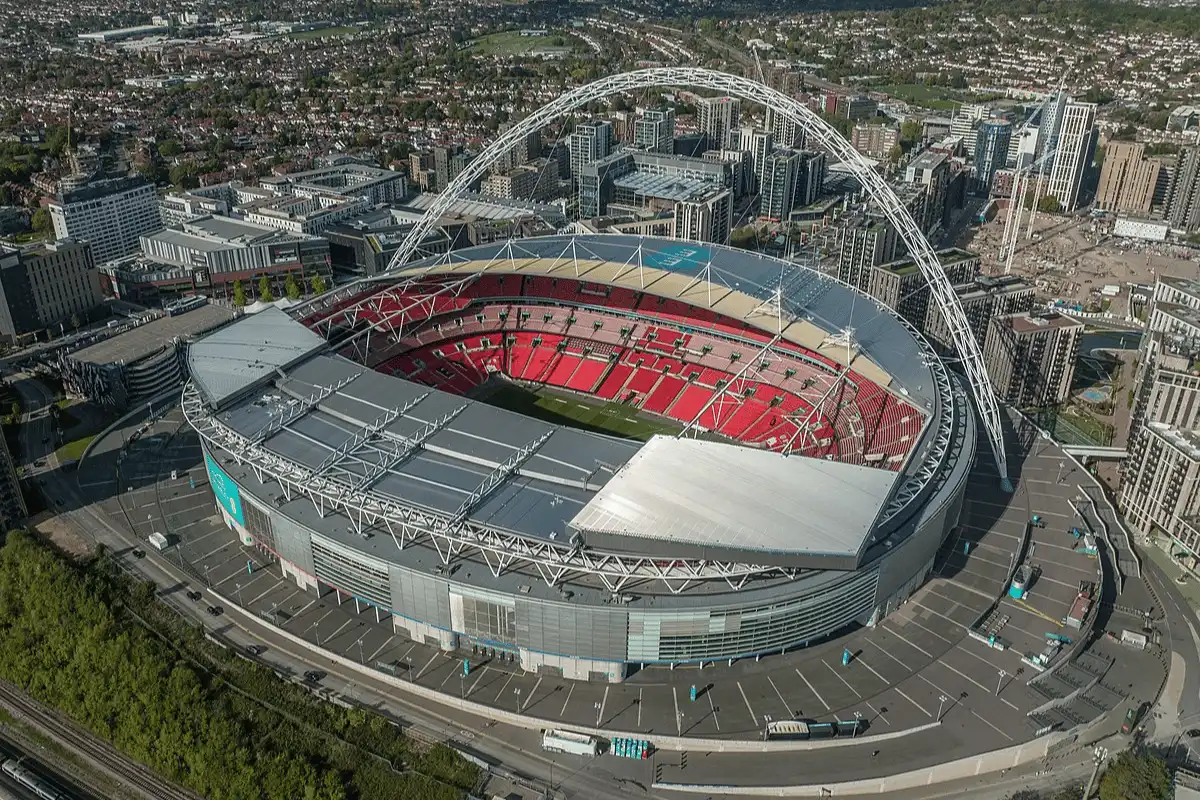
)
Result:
{"points": [[470, 526], [970, 354]]}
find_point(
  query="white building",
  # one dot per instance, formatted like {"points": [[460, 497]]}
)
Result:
{"points": [[1076, 140], [716, 117], [111, 215]]}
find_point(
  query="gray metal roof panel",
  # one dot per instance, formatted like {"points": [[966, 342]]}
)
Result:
{"points": [[532, 507], [712, 493], [236, 357]]}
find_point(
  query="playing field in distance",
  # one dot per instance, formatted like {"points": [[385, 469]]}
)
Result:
{"points": [[559, 408]]}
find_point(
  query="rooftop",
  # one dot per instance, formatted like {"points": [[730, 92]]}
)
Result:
{"points": [[1033, 322], [148, 339], [98, 189]]}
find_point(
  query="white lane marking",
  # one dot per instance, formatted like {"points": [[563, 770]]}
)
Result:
{"points": [[859, 660], [747, 701], [382, 647], [639, 721], [563, 711], [600, 711], [878, 715], [707, 694], [525, 703], [990, 725], [427, 663], [475, 682], [900, 692], [843, 680], [904, 639], [811, 689], [786, 708]]}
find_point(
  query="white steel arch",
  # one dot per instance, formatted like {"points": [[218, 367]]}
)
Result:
{"points": [[818, 131]]}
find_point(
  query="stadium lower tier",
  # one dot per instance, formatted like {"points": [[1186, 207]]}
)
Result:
{"points": [[577, 631]]}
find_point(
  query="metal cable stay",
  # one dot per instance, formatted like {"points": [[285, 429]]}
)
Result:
{"points": [[818, 131]]}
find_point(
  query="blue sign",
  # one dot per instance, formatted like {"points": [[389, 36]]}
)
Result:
{"points": [[225, 491], [679, 258]]}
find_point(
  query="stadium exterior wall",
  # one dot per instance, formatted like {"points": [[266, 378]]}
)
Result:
{"points": [[588, 641]]}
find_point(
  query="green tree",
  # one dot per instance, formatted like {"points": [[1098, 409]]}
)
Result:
{"points": [[895, 154], [1136, 776], [169, 148], [291, 287], [1049, 205], [264, 289], [239, 294], [910, 131], [318, 284], [15, 410], [41, 221]]}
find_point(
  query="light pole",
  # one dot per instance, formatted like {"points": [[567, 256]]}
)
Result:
{"points": [[941, 703], [238, 587], [517, 692], [598, 708], [1000, 682], [857, 722], [361, 660]]}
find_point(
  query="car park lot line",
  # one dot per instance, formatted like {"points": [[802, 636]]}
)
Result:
{"points": [[892, 630], [900, 692], [786, 708], [876, 645], [306, 607], [318, 620], [478, 678], [1074, 587], [859, 660], [603, 703], [940, 690], [338, 632], [639, 705], [427, 663], [382, 647], [811, 689], [711, 705], [875, 711], [563, 711], [744, 699], [990, 725], [843, 680], [927, 629], [270, 589], [964, 675]]}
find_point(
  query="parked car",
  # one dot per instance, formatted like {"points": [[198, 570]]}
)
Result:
{"points": [[215, 611], [193, 596], [139, 553], [314, 676]]}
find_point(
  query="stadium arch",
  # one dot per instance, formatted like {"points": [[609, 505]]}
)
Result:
{"points": [[970, 353]]}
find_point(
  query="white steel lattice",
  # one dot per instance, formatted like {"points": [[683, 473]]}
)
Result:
{"points": [[818, 131]]}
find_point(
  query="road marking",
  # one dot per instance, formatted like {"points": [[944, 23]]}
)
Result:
{"points": [[479, 677], [900, 692], [427, 663], [450, 674], [859, 660], [902, 638], [843, 680], [707, 694], [747, 701], [382, 647], [341, 628], [878, 715], [270, 589], [299, 613], [639, 721], [907, 668], [930, 630], [317, 621], [404, 658], [990, 725], [963, 674], [563, 711], [786, 708], [533, 691], [811, 689], [603, 703]]}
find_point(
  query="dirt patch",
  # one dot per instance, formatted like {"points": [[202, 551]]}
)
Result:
{"points": [[59, 533]]}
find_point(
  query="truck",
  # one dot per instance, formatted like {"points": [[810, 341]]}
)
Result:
{"points": [[1087, 545], [570, 742], [1020, 583], [1081, 606]]}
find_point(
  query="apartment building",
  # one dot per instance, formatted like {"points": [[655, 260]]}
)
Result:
{"points": [[1127, 179], [1030, 357], [111, 215], [47, 286]]}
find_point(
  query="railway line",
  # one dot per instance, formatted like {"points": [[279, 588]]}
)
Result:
{"points": [[102, 755]]}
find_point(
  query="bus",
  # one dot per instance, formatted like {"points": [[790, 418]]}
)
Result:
{"points": [[796, 729]]}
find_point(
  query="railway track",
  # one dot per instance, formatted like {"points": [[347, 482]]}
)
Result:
{"points": [[103, 756]]}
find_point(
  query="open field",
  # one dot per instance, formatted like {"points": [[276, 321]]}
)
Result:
{"points": [[72, 451], [574, 411], [512, 43], [322, 33], [937, 97]]}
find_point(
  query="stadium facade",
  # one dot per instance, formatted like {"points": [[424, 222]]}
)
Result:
{"points": [[821, 458]]}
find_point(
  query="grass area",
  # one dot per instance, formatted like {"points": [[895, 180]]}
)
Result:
{"points": [[938, 97], [322, 33], [73, 451], [1190, 588], [613, 419], [512, 43]]}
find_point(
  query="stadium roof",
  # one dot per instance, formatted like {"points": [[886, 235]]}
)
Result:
{"points": [[235, 358], [713, 494]]}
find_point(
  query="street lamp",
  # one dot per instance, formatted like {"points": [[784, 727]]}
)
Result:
{"points": [[598, 708], [1000, 682], [517, 692], [858, 722], [941, 703]]}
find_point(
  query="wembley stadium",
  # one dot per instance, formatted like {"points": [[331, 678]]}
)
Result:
{"points": [[589, 453]]}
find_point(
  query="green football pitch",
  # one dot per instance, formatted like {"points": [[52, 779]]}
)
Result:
{"points": [[573, 411]]}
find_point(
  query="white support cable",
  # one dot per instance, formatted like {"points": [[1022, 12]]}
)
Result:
{"points": [[820, 133]]}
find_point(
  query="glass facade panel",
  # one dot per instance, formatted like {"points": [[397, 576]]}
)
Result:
{"points": [[366, 580]]}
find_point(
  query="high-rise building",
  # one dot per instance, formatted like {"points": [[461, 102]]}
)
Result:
{"points": [[780, 176], [855, 106], [111, 215], [875, 138], [982, 298], [757, 144], [1030, 357], [739, 165], [786, 132], [964, 122], [1182, 207], [1127, 179], [992, 138], [1160, 477], [1076, 146], [716, 117], [860, 242], [902, 287], [519, 183], [931, 170], [527, 148], [591, 141], [1050, 119], [655, 131], [705, 217], [46, 286], [12, 502]]}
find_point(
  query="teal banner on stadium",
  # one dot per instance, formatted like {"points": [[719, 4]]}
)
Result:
{"points": [[225, 490]]}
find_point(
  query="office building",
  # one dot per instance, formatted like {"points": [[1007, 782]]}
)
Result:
{"points": [[111, 215], [1182, 206], [655, 130], [741, 177], [1076, 145], [348, 180], [931, 170], [757, 144], [785, 131], [964, 123], [982, 297], [992, 138], [716, 117], [902, 287], [1030, 357], [591, 141], [875, 138], [47, 286], [1127, 179], [855, 107]]}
